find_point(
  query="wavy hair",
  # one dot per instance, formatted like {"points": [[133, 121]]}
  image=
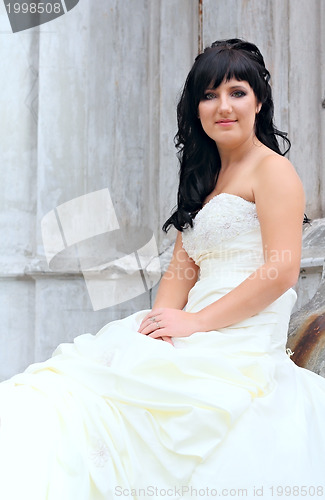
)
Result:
{"points": [[197, 152]]}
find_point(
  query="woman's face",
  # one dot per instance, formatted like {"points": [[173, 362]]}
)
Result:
{"points": [[227, 113]]}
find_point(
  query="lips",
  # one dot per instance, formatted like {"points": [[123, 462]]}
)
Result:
{"points": [[221, 122], [225, 123]]}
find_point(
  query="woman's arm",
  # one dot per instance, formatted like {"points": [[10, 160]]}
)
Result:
{"points": [[280, 202], [180, 277], [280, 205], [174, 287]]}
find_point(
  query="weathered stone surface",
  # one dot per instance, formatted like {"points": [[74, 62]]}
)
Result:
{"points": [[89, 102], [306, 336], [291, 38]]}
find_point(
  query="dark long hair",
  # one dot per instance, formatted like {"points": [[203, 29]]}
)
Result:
{"points": [[197, 152]]}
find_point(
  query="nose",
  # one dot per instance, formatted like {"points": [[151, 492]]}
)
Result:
{"points": [[224, 104]]}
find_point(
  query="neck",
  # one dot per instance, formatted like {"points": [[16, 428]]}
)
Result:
{"points": [[233, 155]]}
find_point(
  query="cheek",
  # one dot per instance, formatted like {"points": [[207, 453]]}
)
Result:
{"points": [[248, 114], [204, 111], [200, 110]]}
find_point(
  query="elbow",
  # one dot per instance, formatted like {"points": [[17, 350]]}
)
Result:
{"points": [[288, 277], [284, 276]]}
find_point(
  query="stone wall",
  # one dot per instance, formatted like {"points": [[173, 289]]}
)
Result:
{"points": [[88, 103]]}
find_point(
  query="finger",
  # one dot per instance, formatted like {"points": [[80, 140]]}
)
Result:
{"points": [[152, 326], [152, 313], [149, 329], [144, 322], [167, 339], [159, 332], [148, 320], [141, 327]]}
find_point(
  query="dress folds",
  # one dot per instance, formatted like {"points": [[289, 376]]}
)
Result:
{"points": [[219, 413]]}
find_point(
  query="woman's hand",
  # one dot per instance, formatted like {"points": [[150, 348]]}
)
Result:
{"points": [[164, 323]]}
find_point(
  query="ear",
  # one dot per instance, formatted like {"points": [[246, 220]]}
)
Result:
{"points": [[258, 108]]}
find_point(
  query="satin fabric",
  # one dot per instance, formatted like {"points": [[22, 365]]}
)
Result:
{"points": [[121, 415]]}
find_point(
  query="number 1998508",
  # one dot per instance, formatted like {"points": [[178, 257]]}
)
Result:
{"points": [[34, 8], [303, 491]]}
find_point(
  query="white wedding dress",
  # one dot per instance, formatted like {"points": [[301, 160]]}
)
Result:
{"points": [[220, 413]]}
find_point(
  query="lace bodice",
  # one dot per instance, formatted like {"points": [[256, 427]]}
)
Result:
{"points": [[223, 218]]}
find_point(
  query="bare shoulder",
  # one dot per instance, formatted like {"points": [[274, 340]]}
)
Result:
{"points": [[280, 204], [276, 180]]}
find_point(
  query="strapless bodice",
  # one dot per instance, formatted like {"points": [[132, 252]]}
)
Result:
{"points": [[226, 237], [226, 243]]}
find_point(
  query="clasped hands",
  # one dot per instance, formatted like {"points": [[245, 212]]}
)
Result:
{"points": [[164, 323]]}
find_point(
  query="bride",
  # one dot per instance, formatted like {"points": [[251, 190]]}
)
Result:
{"points": [[228, 145], [196, 397]]}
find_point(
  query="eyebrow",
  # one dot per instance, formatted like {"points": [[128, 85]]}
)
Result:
{"points": [[233, 87], [238, 86]]}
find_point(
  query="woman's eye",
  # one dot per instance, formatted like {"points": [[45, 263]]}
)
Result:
{"points": [[209, 95], [238, 93]]}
